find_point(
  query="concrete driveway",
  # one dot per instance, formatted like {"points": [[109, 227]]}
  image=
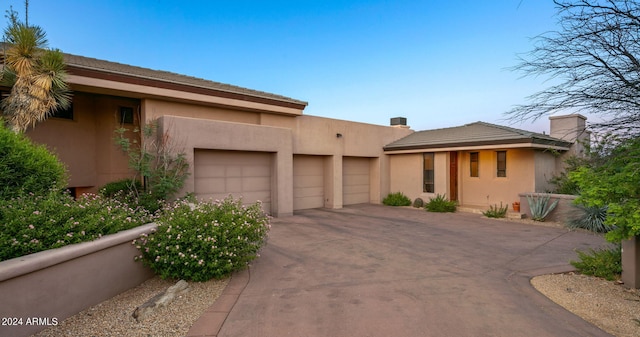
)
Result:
{"points": [[371, 270]]}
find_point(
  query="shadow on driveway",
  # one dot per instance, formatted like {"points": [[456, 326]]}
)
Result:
{"points": [[372, 270]]}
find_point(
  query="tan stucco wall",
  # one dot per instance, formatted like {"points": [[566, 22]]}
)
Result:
{"points": [[488, 188], [545, 169], [86, 143], [406, 175], [153, 108]]}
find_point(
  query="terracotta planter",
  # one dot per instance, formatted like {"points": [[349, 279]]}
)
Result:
{"points": [[516, 206]]}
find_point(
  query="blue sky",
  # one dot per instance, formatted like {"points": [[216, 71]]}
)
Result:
{"points": [[438, 63]]}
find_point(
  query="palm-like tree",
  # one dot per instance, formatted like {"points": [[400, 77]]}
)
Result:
{"points": [[36, 75]]}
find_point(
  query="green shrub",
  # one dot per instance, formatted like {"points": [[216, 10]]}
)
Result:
{"points": [[396, 199], [131, 191], [204, 240], [592, 218], [30, 224], [418, 203], [604, 263], [26, 167], [440, 204], [495, 211], [118, 187]]}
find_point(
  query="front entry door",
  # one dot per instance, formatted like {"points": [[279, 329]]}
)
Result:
{"points": [[453, 176]]}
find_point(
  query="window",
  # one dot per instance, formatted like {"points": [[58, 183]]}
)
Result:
{"points": [[126, 115], [64, 114], [428, 176], [473, 164], [502, 163]]}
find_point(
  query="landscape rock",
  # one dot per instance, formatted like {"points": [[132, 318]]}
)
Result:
{"points": [[161, 300]]}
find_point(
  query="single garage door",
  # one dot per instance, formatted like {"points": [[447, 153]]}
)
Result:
{"points": [[308, 182], [218, 174], [355, 180]]}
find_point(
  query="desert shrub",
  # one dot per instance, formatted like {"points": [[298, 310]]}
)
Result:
{"points": [[418, 203], [604, 263], [131, 191], [396, 199], [440, 204], [592, 218], [29, 224], [118, 187], [204, 240], [157, 160], [496, 212], [27, 167]]}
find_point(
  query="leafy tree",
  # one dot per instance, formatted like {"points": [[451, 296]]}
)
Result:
{"points": [[615, 184], [35, 74], [594, 60]]}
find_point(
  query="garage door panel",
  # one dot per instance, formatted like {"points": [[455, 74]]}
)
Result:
{"points": [[219, 174], [355, 180], [308, 182], [253, 197], [233, 185], [309, 192], [256, 171], [254, 184]]}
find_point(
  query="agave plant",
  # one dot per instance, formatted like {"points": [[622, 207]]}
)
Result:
{"points": [[540, 206], [592, 219]]}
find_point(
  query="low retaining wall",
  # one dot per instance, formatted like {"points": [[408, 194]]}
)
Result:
{"points": [[44, 288], [562, 213]]}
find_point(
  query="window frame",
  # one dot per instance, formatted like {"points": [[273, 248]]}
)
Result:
{"points": [[474, 170], [501, 164], [428, 174], [123, 114]]}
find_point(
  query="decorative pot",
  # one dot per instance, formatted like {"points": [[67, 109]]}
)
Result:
{"points": [[516, 206]]}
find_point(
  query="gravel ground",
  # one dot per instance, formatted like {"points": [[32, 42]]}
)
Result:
{"points": [[606, 304], [113, 317]]}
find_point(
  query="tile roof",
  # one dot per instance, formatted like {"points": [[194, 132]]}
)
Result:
{"points": [[81, 62], [474, 134]]}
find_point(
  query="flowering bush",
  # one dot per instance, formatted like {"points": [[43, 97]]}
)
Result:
{"points": [[204, 240], [35, 223]]}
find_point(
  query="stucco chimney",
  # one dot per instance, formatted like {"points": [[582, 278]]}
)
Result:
{"points": [[399, 122], [568, 127], [571, 128]]}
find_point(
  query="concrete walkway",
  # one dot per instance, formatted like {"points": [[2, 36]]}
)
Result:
{"points": [[371, 270]]}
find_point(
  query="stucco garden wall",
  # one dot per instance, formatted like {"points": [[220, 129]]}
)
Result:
{"points": [[562, 212], [52, 285]]}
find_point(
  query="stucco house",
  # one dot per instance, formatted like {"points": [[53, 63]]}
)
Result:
{"points": [[482, 164], [260, 146]]}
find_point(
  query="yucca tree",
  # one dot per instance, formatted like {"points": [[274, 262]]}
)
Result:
{"points": [[36, 75]]}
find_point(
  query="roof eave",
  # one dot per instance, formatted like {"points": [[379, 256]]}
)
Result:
{"points": [[157, 83], [534, 143]]}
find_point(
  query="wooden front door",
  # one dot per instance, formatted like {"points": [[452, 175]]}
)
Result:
{"points": [[453, 176]]}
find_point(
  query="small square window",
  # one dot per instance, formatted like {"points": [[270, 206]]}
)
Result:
{"points": [[63, 113], [126, 115]]}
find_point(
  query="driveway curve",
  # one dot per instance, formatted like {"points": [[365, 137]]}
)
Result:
{"points": [[372, 270]]}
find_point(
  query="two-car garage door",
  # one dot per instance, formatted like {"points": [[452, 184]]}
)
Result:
{"points": [[245, 174]]}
